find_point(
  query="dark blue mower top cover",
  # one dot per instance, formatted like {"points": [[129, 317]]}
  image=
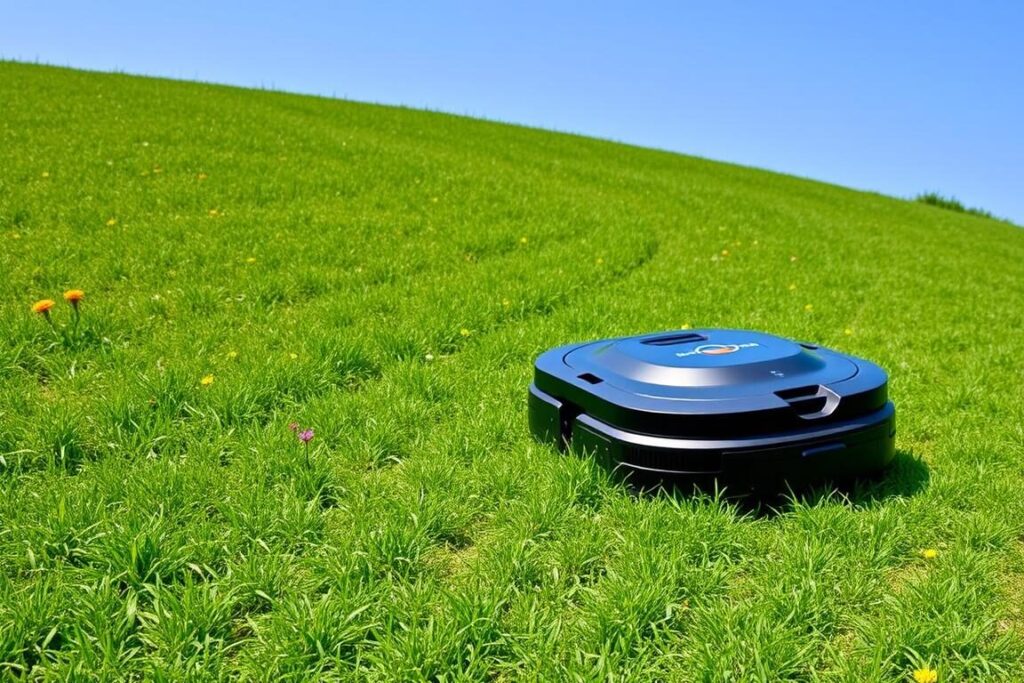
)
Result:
{"points": [[736, 408]]}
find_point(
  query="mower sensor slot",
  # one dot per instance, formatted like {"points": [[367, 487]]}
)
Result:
{"points": [[673, 339]]}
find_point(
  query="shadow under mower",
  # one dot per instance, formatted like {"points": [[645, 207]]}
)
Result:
{"points": [[713, 408]]}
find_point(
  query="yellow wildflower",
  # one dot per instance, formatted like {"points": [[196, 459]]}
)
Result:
{"points": [[207, 380], [111, 222], [808, 308], [848, 331], [926, 674], [929, 553], [251, 259], [202, 176], [464, 332], [523, 240]]}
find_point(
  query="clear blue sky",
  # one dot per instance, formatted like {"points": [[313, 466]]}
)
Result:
{"points": [[898, 97]]}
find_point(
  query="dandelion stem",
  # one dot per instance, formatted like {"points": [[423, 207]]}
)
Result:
{"points": [[53, 326]]}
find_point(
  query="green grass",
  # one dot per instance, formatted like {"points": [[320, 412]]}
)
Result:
{"points": [[387, 277], [950, 204]]}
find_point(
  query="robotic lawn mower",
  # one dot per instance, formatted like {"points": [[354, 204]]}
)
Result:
{"points": [[748, 410]]}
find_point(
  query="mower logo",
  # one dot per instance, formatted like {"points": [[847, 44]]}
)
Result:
{"points": [[716, 349]]}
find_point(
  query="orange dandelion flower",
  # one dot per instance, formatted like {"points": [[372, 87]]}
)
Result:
{"points": [[43, 306], [73, 296]]}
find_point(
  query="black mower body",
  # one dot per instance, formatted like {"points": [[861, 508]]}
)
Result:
{"points": [[740, 409]]}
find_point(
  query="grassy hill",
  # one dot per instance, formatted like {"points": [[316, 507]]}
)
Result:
{"points": [[385, 277]]}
